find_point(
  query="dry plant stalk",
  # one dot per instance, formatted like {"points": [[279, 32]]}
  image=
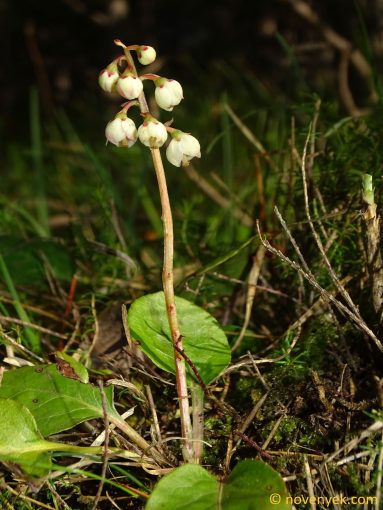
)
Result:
{"points": [[374, 256], [251, 291]]}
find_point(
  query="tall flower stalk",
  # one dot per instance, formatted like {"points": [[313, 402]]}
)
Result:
{"points": [[121, 76]]}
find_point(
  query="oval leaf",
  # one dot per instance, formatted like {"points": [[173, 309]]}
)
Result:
{"points": [[56, 402], [253, 485], [20, 439], [190, 487], [203, 340]]}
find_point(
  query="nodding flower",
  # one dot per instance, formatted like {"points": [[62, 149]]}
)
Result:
{"points": [[121, 131], [182, 148], [129, 85], [168, 93], [108, 77], [152, 132]]}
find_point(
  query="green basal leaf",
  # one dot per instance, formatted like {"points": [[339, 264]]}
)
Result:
{"points": [[252, 485], [56, 402], [20, 439], [204, 342], [22, 443], [189, 487]]}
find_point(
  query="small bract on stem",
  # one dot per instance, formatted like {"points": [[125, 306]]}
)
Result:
{"points": [[121, 77]]}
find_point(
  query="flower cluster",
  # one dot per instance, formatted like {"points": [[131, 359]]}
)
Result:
{"points": [[121, 77]]}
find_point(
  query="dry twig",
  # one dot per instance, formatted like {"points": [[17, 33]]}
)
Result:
{"points": [[374, 256], [251, 290], [379, 476], [309, 481], [106, 444]]}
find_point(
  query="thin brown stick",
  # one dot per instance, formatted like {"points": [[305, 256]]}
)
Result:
{"points": [[105, 447], [154, 413], [109, 497], [309, 481], [252, 443], [137, 439], [251, 290], [26, 324], [59, 499], [374, 256], [291, 239], [9, 340], [273, 432], [250, 418], [378, 492], [37, 310], [289, 453]]}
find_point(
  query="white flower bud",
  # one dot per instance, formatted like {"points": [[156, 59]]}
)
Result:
{"points": [[146, 55], [121, 131], [129, 86], [152, 132], [168, 93], [182, 149], [108, 77]]}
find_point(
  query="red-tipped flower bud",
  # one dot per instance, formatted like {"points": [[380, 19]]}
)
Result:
{"points": [[146, 55], [108, 77]]}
